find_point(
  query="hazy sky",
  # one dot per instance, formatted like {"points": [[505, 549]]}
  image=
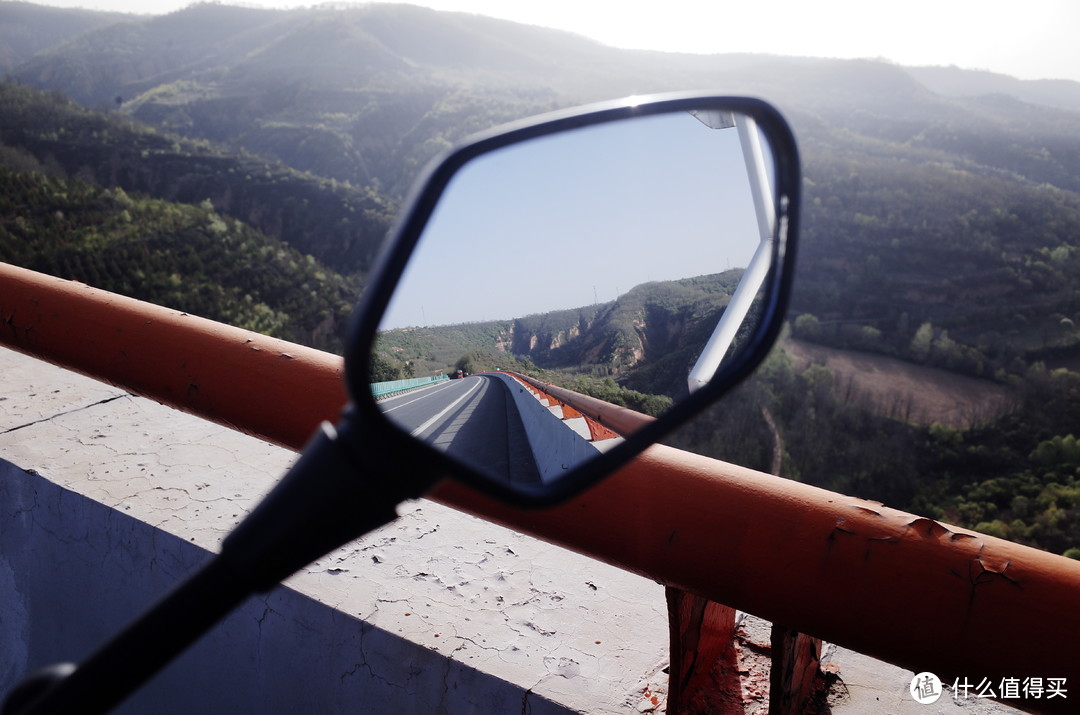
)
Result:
{"points": [[653, 199], [1030, 39]]}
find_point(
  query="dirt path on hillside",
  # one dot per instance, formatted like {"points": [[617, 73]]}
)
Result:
{"points": [[903, 391]]}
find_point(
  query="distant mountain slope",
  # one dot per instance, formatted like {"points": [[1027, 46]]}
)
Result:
{"points": [[339, 224], [956, 82], [185, 257], [890, 246], [354, 47], [27, 29], [93, 68], [369, 93], [364, 94]]}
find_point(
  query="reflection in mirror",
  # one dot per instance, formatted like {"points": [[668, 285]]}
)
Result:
{"points": [[567, 287]]}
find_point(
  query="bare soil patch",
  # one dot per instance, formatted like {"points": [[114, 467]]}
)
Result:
{"points": [[903, 391]]}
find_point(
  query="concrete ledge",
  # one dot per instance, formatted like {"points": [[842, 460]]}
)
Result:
{"points": [[114, 498]]}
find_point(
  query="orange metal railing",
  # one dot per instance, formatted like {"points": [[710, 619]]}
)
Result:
{"points": [[902, 588], [225, 374], [622, 420]]}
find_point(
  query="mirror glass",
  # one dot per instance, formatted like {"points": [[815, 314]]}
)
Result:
{"points": [[621, 261]]}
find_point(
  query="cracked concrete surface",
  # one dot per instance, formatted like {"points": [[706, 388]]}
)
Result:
{"points": [[503, 603], [870, 686], [857, 684], [438, 610]]}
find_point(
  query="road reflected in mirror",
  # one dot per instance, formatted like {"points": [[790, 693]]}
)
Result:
{"points": [[569, 288]]}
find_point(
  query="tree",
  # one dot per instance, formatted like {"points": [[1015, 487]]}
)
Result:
{"points": [[807, 326], [922, 342], [382, 370]]}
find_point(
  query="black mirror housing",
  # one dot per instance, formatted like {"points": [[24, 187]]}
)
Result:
{"points": [[568, 145]]}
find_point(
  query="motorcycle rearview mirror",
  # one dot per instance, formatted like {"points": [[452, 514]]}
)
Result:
{"points": [[639, 253], [650, 241]]}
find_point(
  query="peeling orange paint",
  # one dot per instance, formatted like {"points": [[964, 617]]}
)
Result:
{"points": [[225, 374]]}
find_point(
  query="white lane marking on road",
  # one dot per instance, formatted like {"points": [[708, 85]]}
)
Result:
{"points": [[416, 432], [424, 396]]}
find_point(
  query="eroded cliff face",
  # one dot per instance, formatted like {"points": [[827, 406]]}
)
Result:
{"points": [[619, 338], [505, 340], [538, 344], [563, 337]]}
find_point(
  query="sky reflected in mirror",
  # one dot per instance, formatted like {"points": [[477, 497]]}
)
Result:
{"points": [[579, 218]]}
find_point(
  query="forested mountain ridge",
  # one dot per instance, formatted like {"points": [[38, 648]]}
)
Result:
{"points": [[187, 257], [910, 180], [26, 29], [371, 92], [368, 94], [990, 260], [346, 94], [956, 82], [339, 224]]}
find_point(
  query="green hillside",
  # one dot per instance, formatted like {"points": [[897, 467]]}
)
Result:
{"points": [[990, 260], [186, 257], [27, 29], [337, 223]]}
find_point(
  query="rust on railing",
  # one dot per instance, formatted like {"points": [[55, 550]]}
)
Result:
{"points": [[222, 373], [903, 588]]}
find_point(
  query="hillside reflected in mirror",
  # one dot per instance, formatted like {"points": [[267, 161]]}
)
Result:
{"points": [[597, 262]]}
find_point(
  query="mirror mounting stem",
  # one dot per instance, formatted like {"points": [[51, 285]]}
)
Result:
{"points": [[329, 485], [324, 501], [758, 268]]}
